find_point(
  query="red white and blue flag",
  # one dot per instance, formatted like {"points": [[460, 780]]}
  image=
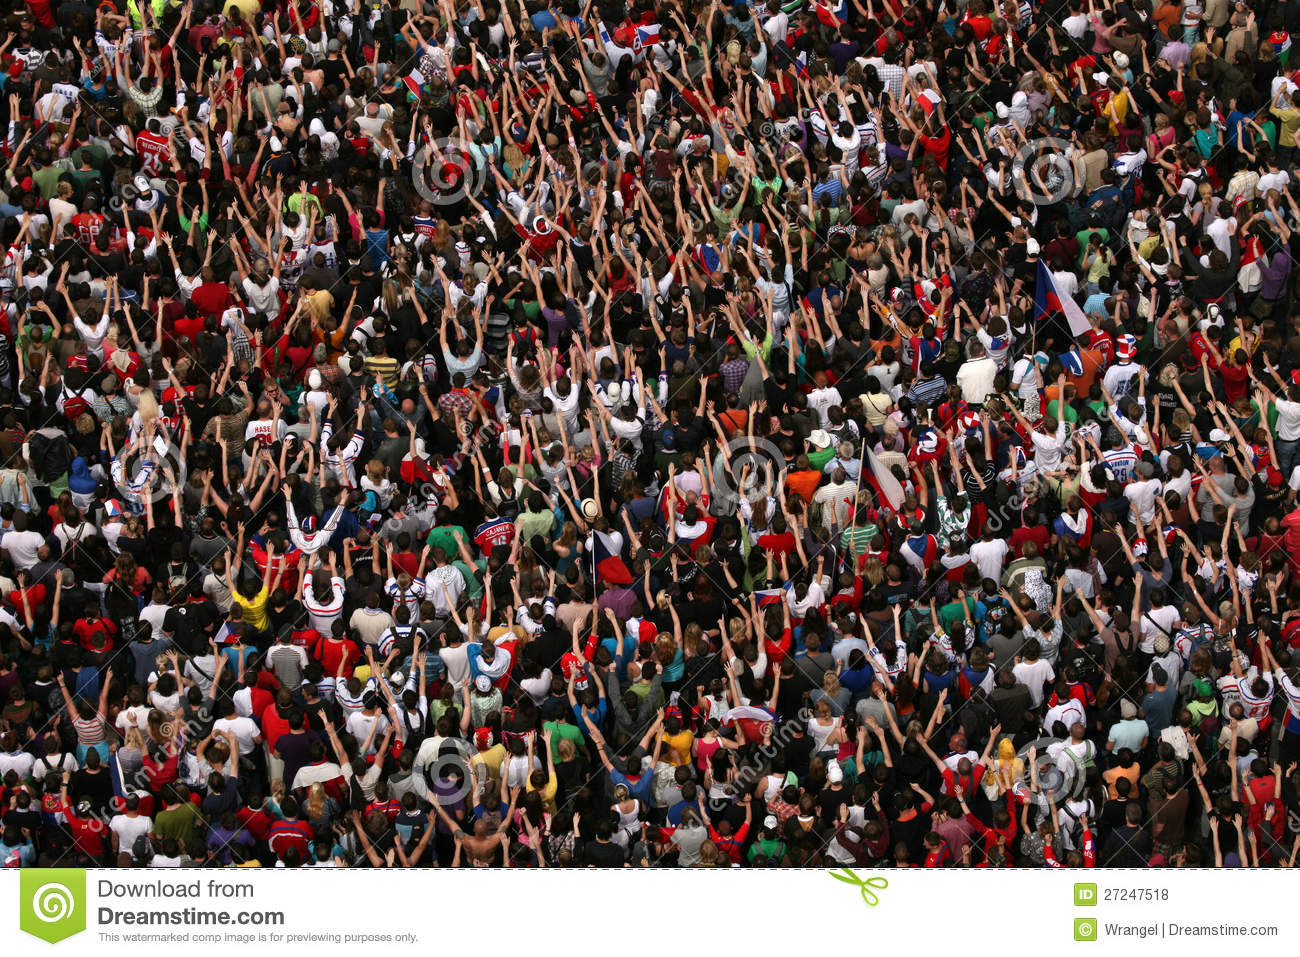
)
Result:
{"points": [[1048, 300], [610, 566]]}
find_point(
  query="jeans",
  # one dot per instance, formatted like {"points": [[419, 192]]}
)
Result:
{"points": [[1288, 456]]}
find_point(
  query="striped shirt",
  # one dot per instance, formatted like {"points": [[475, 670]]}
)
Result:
{"points": [[1292, 696], [1256, 706], [952, 524], [321, 614], [926, 392], [1121, 463], [391, 636], [411, 597], [90, 731], [346, 700], [342, 464]]}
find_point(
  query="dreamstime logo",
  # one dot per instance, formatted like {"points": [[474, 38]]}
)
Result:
{"points": [[447, 171], [751, 469], [52, 903], [1043, 165]]}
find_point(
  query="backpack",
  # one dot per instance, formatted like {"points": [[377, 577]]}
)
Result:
{"points": [[75, 405], [994, 612], [51, 456]]}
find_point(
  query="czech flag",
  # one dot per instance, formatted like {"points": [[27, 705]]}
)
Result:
{"points": [[1047, 300], [827, 15], [750, 720], [610, 566], [648, 35]]}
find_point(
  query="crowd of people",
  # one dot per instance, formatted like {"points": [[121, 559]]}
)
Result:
{"points": [[677, 433]]}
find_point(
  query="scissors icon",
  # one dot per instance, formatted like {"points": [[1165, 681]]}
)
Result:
{"points": [[864, 885]]}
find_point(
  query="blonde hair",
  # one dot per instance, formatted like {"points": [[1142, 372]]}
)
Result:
{"points": [[316, 800], [148, 407]]}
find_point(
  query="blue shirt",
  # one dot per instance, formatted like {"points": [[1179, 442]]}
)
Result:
{"points": [[601, 709], [639, 789], [832, 188]]}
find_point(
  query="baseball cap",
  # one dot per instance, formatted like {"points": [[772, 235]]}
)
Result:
{"points": [[1031, 247], [1218, 435], [483, 683]]}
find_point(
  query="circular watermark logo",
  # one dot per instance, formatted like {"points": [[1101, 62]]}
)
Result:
{"points": [[750, 469], [53, 902], [1060, 771], [151, 472], [441, 775], [1043, 165], [448, 170]]}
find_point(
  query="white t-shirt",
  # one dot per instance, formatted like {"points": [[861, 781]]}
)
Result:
{"points": [[988, 557], [1156, 622], [129, 828], [22, 547], [1288, 420], [245, 730], [1033, 674]]}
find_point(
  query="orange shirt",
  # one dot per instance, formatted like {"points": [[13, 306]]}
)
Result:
{"points": [[1092, 361], [803, 483]]}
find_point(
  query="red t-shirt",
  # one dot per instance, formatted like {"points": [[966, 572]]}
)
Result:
{"points": [[1236, 381], [937, 147], [330, 652]]}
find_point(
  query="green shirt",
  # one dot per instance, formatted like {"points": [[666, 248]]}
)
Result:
{"points": [[536, 523], [297, 202], [179, 822], [473, 587], [819, 458], [771, 849], [445, 536], [1070, 414], [560, 732], [952, 612], [47, 180], [858, 540]]}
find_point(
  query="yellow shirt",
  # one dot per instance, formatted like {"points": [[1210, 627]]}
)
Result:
{"points": [[492, 759], [255, 609], [547, 793], [321, 302], [679, 748]]}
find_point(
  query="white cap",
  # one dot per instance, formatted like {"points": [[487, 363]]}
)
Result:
{"points": [[1031, 247], [141, 183], [313, 379]]}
